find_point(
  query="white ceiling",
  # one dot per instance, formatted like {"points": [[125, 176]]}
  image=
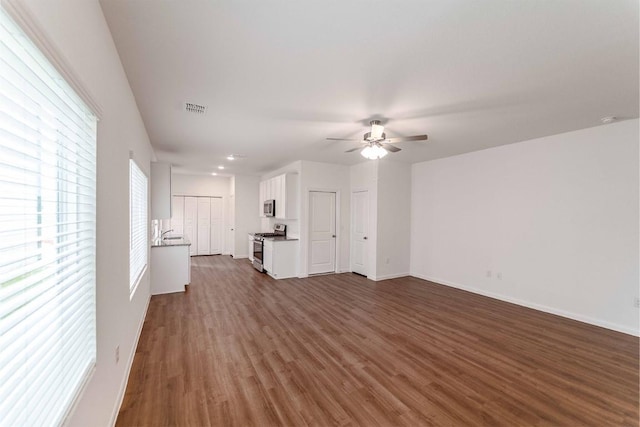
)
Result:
{"points": [[279, 76]]}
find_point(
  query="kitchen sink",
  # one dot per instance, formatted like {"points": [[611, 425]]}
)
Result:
{"points": [[172, 238]]}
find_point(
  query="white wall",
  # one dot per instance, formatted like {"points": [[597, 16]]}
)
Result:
{"points": [[393, 219], [207, 186], [329, 177], [199, 185], [389, 186], [79, 32], [246, 193], [557, 217]]}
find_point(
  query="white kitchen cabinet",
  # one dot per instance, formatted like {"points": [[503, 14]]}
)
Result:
{"points": [[287, 207], [276, 187], [160, 190], [170, 267], [250, 238], [263, 197], [281, 258], [284, 190], [271, 193], [278, 194], [267, 255]]}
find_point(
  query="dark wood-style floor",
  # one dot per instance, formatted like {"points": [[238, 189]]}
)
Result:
{"points": [[240, 348]]}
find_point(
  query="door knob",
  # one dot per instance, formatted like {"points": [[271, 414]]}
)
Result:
{"points": [[333, 235], [365, 237]]}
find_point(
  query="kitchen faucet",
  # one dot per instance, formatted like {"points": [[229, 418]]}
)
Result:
{"points": [[165, 232]]}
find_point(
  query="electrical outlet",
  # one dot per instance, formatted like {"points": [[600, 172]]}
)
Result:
{"points": [[489, 273], [499, 276], [117, 354], [636, 302]]}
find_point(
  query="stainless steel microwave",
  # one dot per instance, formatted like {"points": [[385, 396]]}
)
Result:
{"points": [[269, 208]]}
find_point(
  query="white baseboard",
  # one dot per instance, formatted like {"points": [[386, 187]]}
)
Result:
{"points": [[535, 306], [388, 276], [125, 380]]}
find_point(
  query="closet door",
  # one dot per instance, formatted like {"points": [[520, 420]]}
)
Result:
{"points": [[191, 223], [216, 225], [204, 226], [177, 215]]}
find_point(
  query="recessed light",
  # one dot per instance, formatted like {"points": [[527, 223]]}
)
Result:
{"points": [[608, 119], [220, 167], [214, 173], [230, 157]]}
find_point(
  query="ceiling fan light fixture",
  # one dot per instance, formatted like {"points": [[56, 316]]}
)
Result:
{"points": [[373, 152], [376, 131]]}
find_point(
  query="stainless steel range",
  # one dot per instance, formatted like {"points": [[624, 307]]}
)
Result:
{"points": [[279, 230]]}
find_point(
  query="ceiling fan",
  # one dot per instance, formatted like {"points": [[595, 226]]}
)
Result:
{"points": [[377, 145]]}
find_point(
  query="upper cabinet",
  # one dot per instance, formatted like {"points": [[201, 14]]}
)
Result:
{"points": [[160, 190], [262, 197], [284, 190]]}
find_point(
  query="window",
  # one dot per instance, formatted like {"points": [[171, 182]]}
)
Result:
{"points": [[138, 236], [47, 237]]}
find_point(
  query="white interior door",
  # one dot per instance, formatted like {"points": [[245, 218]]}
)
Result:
{"points": [[204, 226], [191, 223], [177, 215], [359, 231], [322, 232], [217, 222]]}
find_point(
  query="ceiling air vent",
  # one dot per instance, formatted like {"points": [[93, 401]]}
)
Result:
{"points": [[194, 108]]}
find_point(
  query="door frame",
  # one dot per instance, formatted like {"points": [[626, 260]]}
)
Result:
{"points": [[367, 255], [336, 268], [230, 226]]}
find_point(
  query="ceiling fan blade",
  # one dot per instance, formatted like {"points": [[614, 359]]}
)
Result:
{"points": [[353, 149], [391, 148], [345, 139], [407, 138]]}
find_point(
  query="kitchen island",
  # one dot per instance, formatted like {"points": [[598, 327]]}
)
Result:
{"points": [[170, 265]]}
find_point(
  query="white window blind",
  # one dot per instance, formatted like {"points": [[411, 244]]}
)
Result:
{"points": [[139, 244], [47, 237]]}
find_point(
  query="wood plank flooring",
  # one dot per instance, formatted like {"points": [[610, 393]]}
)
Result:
{"points": [[242, 349]]}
